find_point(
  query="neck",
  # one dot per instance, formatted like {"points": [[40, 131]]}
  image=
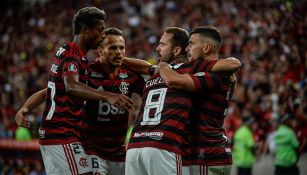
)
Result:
{"points": [[211, 57], [180, 59], [77, 40], [112, 71]]}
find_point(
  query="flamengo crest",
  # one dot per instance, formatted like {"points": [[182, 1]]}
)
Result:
{"points": [[124, 87]]}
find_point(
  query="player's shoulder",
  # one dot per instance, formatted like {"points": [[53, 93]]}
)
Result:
{"points": [[203, 65], [69, 50], [126, 72]]}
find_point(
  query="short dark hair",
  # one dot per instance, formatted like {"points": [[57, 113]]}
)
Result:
{"points": [[113, 31], [87, 16], [180, 37], [210, 32]]}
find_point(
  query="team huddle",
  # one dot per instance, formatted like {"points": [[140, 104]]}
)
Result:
{"points": [[179, 126]]}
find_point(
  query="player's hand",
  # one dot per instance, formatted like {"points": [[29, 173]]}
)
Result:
{"points": [[233, 78], [21, 119], [121, 101]]}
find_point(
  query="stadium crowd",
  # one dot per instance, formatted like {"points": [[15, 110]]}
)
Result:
{"points": [[268, 36]]}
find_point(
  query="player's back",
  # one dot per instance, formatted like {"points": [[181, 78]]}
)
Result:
{"points": [[209, 144], [63, 113], [163, 117]]}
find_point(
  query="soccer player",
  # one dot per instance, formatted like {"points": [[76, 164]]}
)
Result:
{"points": [[105, 125], [211, 153], [159, 137], [59, 133]]}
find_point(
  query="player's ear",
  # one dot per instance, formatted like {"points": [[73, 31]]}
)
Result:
{"points": [[177, 51], [84, 28], [207, 48]]}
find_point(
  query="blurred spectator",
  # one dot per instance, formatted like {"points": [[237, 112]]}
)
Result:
{"points": [[244, 147], [22, 134], [286, 145]]}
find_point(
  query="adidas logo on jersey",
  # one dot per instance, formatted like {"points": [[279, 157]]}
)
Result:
{"points": [[100, 88]]}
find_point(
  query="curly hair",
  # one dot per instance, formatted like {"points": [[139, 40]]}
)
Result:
{"points": [[87, 16]]}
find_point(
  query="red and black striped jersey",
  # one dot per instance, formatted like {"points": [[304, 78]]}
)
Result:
{"points": [[209, 143], [105, 126], [163, 117], [63, 114]]}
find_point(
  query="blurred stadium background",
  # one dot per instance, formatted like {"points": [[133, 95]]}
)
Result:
{"points": [[268, 36]]}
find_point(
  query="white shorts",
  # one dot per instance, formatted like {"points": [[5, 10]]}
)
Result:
{"points": [[152, 161], [106, 167], [210, 170], [65, 159]]}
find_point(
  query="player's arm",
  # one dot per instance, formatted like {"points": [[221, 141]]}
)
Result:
{"points": [[175, 80], [188, 82], [230, 65], [32, 102], [139, 66], [80, 90]]}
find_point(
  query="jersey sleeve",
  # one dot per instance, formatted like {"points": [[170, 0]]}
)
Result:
{"points": [[206, 81], [139, 85], [70, 66]]}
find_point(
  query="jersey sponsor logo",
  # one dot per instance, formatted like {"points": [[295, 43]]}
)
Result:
{"points": [[123, 75], [200, 74], [72, 67], [83, 162], [152, 135], [60, 51], [41, 133], [154, 82], [54, 68], [105, 108], [96, 75], [124, 87]]}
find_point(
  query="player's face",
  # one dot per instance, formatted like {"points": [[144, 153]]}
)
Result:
{"points": [[195, 48], [113, 50], [164, 48], [95, 34]]}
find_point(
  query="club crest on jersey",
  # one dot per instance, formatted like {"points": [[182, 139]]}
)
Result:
{"points": [[83, 162], [123, 75], [200, 74], [41, 133], [72, 67], [124, 87]]}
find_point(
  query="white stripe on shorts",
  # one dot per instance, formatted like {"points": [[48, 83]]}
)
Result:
{"points": [[70, 158]]}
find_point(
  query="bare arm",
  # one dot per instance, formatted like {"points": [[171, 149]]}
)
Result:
{"points": [[230, 65], [137, 65], [80, 90], [175, 80], [32, 102]]}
